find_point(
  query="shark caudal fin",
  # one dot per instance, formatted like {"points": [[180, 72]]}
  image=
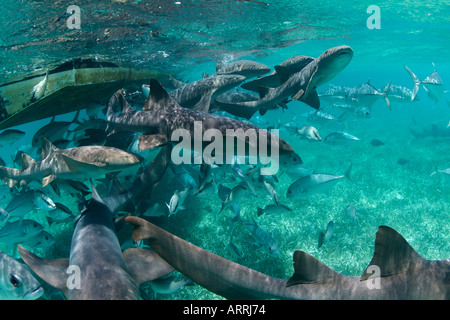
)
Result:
{"points": [[7, 175], [118, 103], [308, 270], [416, 83], [392, 255]]}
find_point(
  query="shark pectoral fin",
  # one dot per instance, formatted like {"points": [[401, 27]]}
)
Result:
{"points": [[392, 254], [312, 100], [309, 270], [48, 179], [145, 265], [54, 272], [78, 166], [204, 103], [149, 141]]}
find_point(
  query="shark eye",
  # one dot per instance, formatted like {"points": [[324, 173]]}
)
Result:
{"points": [[15, 280]]}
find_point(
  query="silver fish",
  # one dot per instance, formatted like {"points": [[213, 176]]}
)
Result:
{"points": [[326, 236], [273, 208], [28, 201], [19, 231], [156, 210], [262, 237], [432, 84], [176, 201], [169, 284], [234, 197], [309, 133], [336, 137], [59, 214], [9, 136], [444, 171], [313, 184], [351, 211], [16, 280]]}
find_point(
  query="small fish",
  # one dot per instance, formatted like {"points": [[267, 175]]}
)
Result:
{"points": [[43, 240], [17, 281], [19, 231], [272, 193], [59, 214], [28, 201], [314, 183], [325, 237], [53, 131], [235, 251], [38, 90], [297, 173], [273, 208], [444, 171], [169, 284], [377, 143], [309, 133], [155, 210], [177, 200], [402, 161], [4, 217], [351, 211], [336, 137], [262, 237], [9, 136], [234, 197], [432, 84]]}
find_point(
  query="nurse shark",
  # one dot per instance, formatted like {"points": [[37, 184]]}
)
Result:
{"points": [[299, 86], [396, 271]]}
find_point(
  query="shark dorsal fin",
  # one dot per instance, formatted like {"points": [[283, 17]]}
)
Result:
{"points": [[309, 270], [51, 271], [47, 148], [27, 161], [158, 97], [393, 254]]}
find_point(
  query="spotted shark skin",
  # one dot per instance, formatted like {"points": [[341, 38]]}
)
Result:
{"points": [[299, 86], [199, 94], [161, 116], [404, 274]]}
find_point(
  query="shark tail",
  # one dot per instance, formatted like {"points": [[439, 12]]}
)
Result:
{"points": [[8, 175], [416, 83]]}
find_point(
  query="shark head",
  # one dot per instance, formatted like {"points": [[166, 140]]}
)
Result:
{"points": [[331, 62]]}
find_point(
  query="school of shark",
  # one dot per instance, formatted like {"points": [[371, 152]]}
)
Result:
{"points": [[147, 133]]}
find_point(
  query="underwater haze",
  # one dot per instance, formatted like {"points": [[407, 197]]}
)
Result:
{"points": [[398, 159]]}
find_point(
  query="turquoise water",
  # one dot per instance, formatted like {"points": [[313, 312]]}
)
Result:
{"points": [[189, 38]]}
